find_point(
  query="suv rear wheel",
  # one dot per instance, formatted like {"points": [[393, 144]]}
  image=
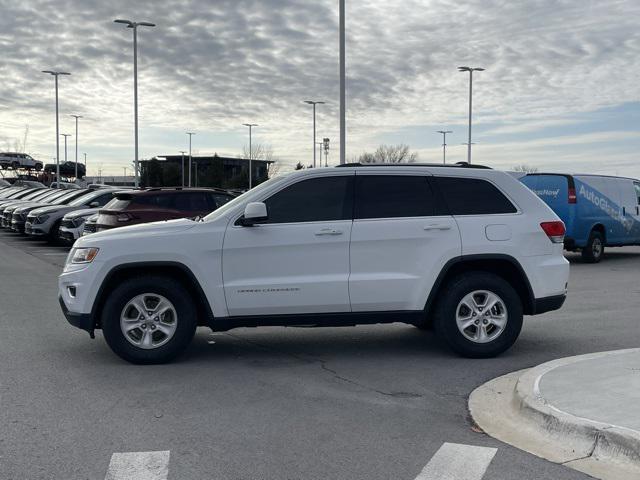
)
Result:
{"points": [[149, 320], [480, 315], [594, 250]]}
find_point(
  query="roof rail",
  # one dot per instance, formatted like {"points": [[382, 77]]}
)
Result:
{"points": [[454, 165]]}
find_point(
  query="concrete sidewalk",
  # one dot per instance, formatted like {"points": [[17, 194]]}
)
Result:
{"points": [[583, 412]]}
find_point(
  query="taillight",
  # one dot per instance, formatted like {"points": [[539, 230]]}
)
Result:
{"points": [[124, 217], [554, 230], [572, 196]]}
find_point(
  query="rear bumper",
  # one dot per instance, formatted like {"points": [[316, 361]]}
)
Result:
{"points": [[548, 304], [84, 321]]}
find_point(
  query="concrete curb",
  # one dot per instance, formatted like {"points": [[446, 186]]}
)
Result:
{"points": [[512, 409]]}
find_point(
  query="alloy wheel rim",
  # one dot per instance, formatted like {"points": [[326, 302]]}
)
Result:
{"points": [[148, 321], [596, 247], [481, 316]]}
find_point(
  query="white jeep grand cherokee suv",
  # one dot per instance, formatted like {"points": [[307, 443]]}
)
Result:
{"points": [[466, 250]]}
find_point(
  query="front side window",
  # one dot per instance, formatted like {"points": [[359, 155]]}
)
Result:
{"points": [[392, 196], [636, 185], [473, 196], [313, 200]]}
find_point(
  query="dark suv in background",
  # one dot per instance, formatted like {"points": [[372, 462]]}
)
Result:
{"points": [[155, 204]]}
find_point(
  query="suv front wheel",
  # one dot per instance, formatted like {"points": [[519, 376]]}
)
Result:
{"points": [[479, 316], [149, 320]]}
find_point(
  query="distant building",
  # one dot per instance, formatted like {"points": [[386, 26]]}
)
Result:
{"points": [[113, 180], [206, 171]]}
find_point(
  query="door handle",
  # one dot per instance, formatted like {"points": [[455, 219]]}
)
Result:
{"points": [[437, 226], [328, 231]]}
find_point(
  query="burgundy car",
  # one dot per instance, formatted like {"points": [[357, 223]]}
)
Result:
{"points": [[155, 204]]}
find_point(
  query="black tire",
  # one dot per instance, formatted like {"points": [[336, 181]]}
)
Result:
{"points": [[15, 165], [594, 250], [54, 232], [173, 291], [446, 312]]}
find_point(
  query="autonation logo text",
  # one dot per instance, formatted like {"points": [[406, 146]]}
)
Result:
{"points": [[547, 193]]}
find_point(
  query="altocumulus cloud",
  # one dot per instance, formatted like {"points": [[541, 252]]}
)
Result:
{"points": [[211, 65]]}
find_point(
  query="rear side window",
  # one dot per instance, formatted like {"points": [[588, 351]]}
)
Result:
{"points": [[191, 202], [151, 201], [117, 204], [392, 196], [219, 199], [313, 200], [636, 185], [473, 196]]}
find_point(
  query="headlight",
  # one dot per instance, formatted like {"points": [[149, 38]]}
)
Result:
{"points": [[82, 255], [42, 218]]}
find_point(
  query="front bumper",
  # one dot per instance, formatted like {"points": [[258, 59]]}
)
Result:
{"points": [[84, 321], [33, 230]]}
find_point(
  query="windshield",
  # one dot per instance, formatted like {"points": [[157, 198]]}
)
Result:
{"points": [[254, 192], [64, 199], [83, 199]]}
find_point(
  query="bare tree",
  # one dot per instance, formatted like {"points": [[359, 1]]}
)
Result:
{"points": [[259, 151], [524, 168], [299, 166], [389, 154]]}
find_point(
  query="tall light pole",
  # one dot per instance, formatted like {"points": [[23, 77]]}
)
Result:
{"points": [[65, 135], [444, 144], [182, 164], [470, 70], [190, 135], [314, 103], [56, 75], [250, 125], [134, 26], [343, 86], [77, 117]]}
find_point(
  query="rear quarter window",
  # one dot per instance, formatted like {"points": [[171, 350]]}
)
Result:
{"points": [[473, 196]]}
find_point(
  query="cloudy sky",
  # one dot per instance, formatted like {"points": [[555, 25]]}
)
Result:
{"points": [[560, 90]]}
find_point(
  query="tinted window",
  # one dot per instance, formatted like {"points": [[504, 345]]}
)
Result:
{"points": [[636, 185], [388, 196], [219, 199], [191, 202], [313, 200], [472, 196], [151, 201]]}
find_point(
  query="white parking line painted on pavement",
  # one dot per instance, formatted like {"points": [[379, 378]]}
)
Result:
{"points": [[139, 466], [454, 461]]}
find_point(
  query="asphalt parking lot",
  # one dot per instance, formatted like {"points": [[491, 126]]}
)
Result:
{"points": [[368, 402]]}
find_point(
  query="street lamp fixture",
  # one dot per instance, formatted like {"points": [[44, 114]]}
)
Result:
{"points": [[250, 125], [314, 103], [56, 74], [470, 70], [134, 26], [444, 144]]}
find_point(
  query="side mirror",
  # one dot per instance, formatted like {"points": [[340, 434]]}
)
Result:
{"points": [[254, 212], [94, 204]]}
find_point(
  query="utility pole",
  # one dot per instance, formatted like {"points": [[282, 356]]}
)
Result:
{"points": [[77, 117], [86, 172], [325, 142], [314, 103], [56, 75], [250, 125], [470, 70], [182, 164], [134, 26], [190, 135], [343, 75], [65, 135], [444, 144]]}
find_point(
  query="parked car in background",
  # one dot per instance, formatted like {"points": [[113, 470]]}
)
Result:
{"points": [[67, 169], [46, 220], [65, 186], [468, 250], [4, 183], [28, 183], [72, 224], [598, 211], [19, 194], [16, 160], [20, 214], [45, 196], [154, 204], [90, 225]]}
